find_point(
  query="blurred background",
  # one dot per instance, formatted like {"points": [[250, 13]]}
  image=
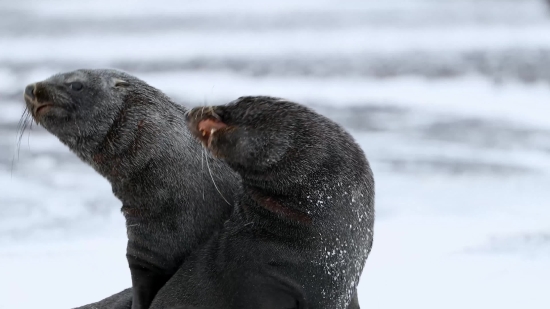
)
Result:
{"points": [[450, 99]]}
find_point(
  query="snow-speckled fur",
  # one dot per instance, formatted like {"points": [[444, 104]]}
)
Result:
{"points": [[136, 137], [303, 222]]}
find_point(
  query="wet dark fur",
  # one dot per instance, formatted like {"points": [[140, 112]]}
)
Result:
{"points": [[302, 226], [136, 137]]}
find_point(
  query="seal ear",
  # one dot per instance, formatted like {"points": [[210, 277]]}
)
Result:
{"points": [[119, 83]]}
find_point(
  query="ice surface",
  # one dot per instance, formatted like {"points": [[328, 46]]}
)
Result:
{"points": [[449, 100]]}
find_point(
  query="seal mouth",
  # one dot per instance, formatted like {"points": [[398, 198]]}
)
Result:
{"points": [[208, 127], [40, 110]]}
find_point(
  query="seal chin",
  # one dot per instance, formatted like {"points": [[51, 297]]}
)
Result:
{"points": [[39, 110]]}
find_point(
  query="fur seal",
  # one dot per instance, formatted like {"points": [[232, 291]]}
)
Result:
{"points": [[302, 226], [134, 135], [174, 194]]}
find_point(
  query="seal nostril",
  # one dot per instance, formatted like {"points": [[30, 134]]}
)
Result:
{"points": [[29, 91]]}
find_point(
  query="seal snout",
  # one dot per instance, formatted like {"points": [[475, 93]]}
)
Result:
{"points": [[204, 123], [29, 91], [208, 127], [37, 100]]}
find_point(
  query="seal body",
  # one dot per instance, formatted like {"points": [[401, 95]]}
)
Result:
{"points": [[174, 193], [302, 227]]}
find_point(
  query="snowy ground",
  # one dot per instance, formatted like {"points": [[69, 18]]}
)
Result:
{"points": [[449, 99]]}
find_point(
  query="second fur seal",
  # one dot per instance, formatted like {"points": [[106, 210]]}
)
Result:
{"points": [[302, 226], [174, 194]]}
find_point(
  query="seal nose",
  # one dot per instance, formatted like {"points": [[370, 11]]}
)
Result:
{"points": [[29, 91]]}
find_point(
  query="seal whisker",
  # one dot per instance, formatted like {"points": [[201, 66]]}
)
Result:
{"points": [[203, 155], [21, 126], [22, 118], [29, 136], [214, 182], [77, 128]]}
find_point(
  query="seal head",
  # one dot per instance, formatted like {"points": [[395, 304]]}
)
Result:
{"points": [[67, 104]]}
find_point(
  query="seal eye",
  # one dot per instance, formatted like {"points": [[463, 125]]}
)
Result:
{"points": [[76, 86]]}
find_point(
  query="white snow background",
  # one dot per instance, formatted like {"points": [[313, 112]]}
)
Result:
{"points": [[449, 99]]}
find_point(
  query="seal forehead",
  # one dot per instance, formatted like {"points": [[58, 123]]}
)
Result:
{"points": [[76, 76], [69, 77]]}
